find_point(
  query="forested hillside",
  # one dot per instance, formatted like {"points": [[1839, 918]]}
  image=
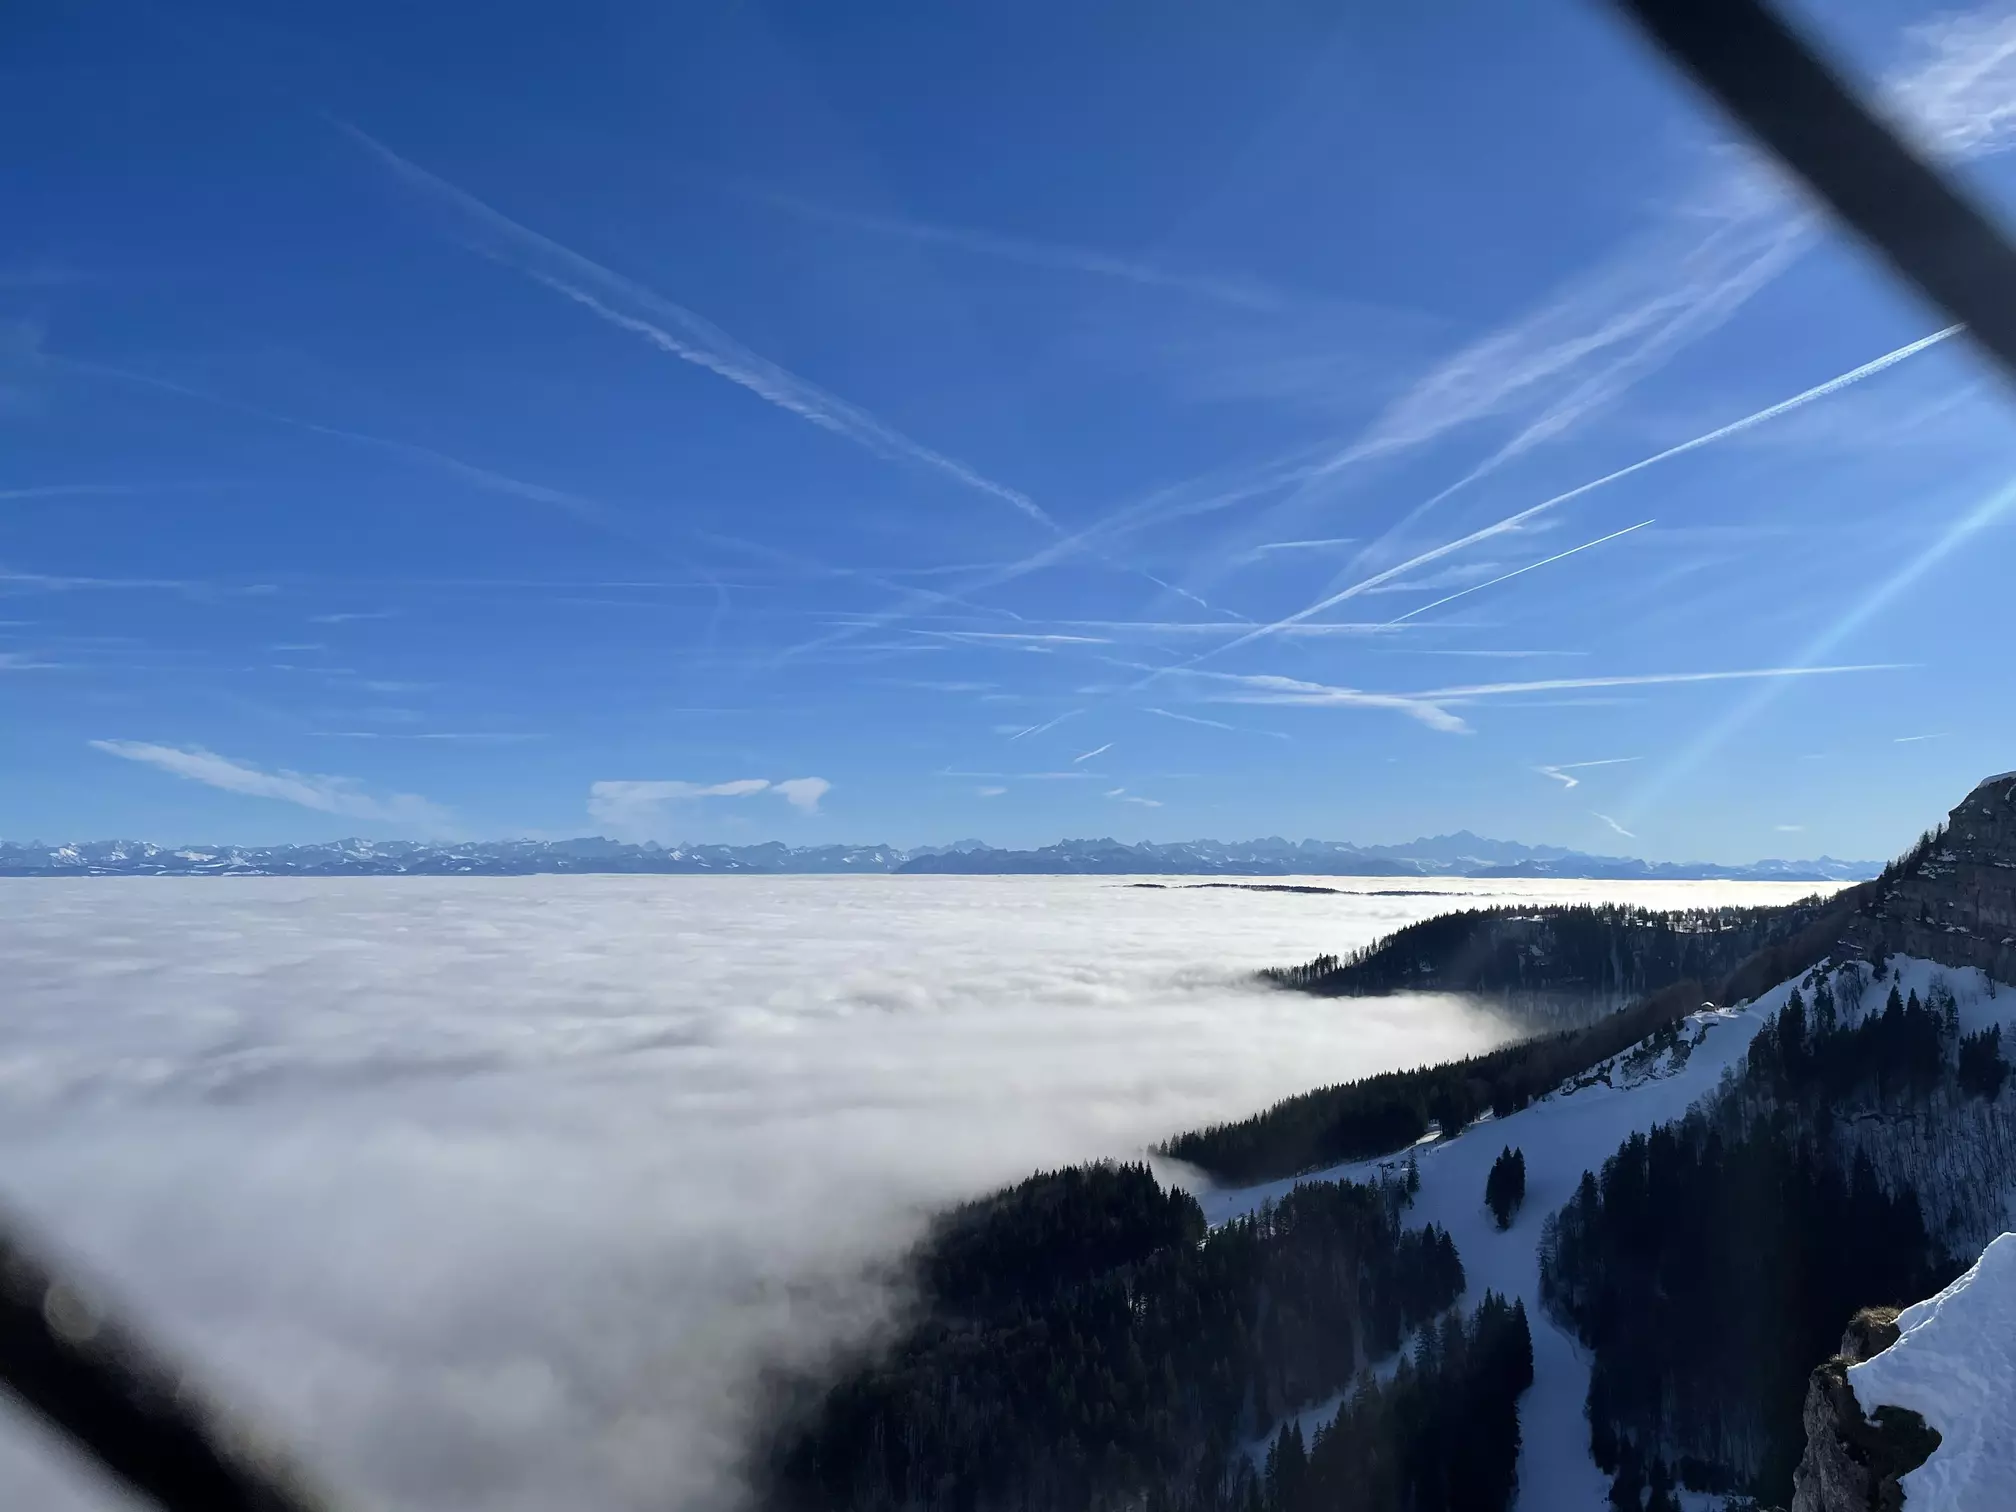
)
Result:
{"points": [[1081, 1343], [1855, 1161], [1441, 1436], [1384, 1113], [1605, 953], [1380, 1114]]}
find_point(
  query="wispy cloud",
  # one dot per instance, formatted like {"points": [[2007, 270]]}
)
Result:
{"points": [[578, 505], [1029, 638], [1515, 521], [1430, 707], [1651, 679], [1737, 232], [49, 582], [1162, 629], [803, 793], [1095, 751], [1270, 548], [25, 661], [631, 306], [349, 616], [1911, 739], [989, 792], [329, 795], [1789, 829], [680, 332], [638, 807], [1126, 797], [67, 490], [1957, 90], [1614, 825], [1560, 773], [1604, 330], [470, 737], [1448, 577], [1074, 775], [1243, 292], [1266, 688]]}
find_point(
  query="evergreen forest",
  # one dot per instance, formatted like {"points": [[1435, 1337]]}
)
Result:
{"points": [[1080, 1341]]}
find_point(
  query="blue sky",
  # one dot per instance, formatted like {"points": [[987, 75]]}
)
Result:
{"points": [[745, 421]]}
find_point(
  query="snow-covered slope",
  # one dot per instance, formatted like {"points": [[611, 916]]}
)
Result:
{"points": [[1575, 1130], [1955, 1366]]}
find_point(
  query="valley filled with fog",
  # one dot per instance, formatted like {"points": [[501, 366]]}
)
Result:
{"points": [[502, 1193]]}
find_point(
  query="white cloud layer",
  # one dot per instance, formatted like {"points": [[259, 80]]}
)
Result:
{"points": [[495, 1194], [328, 795]]}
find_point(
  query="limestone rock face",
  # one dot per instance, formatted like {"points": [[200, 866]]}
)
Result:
{"points": [[1853, 1464], [1957, 905]]}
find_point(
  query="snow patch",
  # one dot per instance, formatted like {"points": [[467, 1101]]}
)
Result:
{"points": [[1955, 1366]]}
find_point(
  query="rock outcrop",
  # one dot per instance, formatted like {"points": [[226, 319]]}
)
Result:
{"points": [[1953, 899], [1852, 1462]]}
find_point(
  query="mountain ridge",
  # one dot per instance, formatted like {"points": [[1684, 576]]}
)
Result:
{"points": [[1461, 854]]}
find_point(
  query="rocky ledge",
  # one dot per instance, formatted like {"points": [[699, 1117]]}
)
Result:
{"points": [[1853, 1462]]}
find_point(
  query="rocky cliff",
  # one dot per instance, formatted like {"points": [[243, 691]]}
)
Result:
{"points": [[1953, 898], [1853, 1463]]}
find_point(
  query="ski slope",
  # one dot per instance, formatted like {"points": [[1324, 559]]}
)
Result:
{"points": [[1564, 1134]]}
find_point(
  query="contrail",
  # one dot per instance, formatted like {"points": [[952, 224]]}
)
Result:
{"points": [[1241, 292], [1215, 724], [1614, 825], [1100, 751], [1560, 773], [1990, 511], [1512, 522], [1050, 725], [1515, 572], [1650, 679], [700, 341], [578, 505]]}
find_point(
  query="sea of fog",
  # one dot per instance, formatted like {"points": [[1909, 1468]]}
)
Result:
{"points": [[502, 1193]]}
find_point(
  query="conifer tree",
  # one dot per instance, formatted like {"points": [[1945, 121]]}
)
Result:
{"points": [[1505, 1186]]}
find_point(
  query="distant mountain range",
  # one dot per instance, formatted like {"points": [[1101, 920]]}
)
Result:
{"points": [[1459, 855]]}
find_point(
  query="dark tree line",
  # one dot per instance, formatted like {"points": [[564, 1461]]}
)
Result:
{"points": [[1810, 1057], [1080, 1339], [1505, 1187], [1712, 1264], [1982, 1070], [1601, 950], [1441, 1436], [1381, 1114]]}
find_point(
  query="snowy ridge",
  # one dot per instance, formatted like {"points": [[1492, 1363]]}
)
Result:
{"points": [[1459, 855], [1581, 1124], [1955, 1366]]}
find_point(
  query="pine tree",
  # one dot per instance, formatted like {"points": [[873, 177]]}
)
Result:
{"points": [[1505, 1186], [1982, 1068]]}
